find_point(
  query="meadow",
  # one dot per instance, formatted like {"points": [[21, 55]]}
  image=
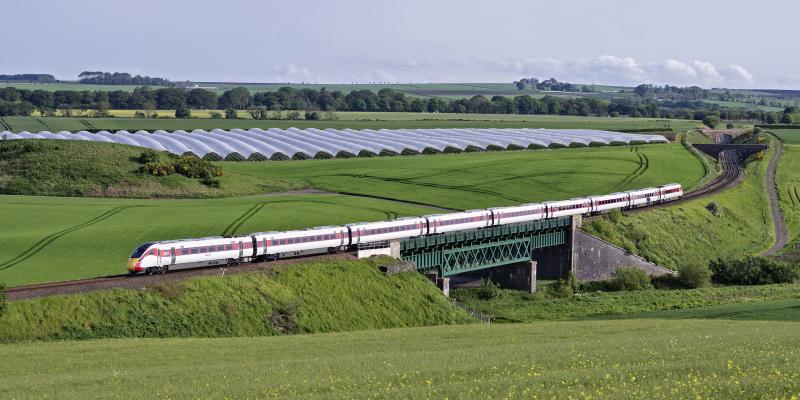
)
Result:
{"points": [[353, 120], [788, 183], [633, 359]]}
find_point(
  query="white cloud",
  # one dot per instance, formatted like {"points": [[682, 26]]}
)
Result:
{"points": [[737, 73], [292, 73]]}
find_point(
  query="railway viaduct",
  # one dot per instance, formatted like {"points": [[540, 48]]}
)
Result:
{"points": [[515, 255]]}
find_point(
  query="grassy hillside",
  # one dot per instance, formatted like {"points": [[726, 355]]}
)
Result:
{"points": [[470, 180], [55, 238], [636, 359], [304, 298], [516, 306], [375, 120], [689, 232], [94, 169]]}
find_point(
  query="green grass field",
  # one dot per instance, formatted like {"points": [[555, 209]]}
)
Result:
{"points": [[471, 180], [788, 136], [635, 359], [307, 297], [42, 236], [354, 120], [689, 232]]}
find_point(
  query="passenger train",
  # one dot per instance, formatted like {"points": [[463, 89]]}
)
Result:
{"points": [[159, 257]]}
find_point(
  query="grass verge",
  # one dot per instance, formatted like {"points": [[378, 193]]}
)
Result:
{"points": [[303, 298]]}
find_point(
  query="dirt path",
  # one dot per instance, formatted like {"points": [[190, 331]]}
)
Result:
{"points": [[781, 232]]}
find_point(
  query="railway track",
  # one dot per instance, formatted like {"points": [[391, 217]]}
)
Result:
{"points": [[731, 175], [139, 281]]}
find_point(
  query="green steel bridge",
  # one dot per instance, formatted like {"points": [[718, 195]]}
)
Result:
{"points": [[470, 250]]}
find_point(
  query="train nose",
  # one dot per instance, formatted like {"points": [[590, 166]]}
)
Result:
{"points": [[133, 265]]}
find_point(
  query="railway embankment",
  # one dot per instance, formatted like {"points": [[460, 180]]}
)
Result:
{"points": [[308, 297], [728, 223]]}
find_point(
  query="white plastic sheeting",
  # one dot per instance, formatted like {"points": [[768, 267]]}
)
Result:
{"points": [[277, 144]]}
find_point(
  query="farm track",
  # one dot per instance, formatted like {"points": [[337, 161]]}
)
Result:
{"points": [[781, 231], [142, 281]]}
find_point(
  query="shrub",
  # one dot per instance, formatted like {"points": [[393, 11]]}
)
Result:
{"points": [[148, 156], [694, 275], [730, 125], [211, 182], [313, 116], [488, 290], [158, 168], [183, 112], [193, 167], [293, 115], [630, 278], [563, 289], [215, 115], [615, 215], [231, 113], [753, 271]]}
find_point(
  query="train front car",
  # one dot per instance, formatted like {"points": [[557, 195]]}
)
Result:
{"points": [[472, 219], [138, 258], [159, 257]]}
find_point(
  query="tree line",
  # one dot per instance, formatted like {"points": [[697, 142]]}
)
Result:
{"points": [[119, 78], [15, 101], [33, 78]]}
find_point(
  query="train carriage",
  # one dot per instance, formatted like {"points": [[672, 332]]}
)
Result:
{"points": [[645, 197], [274, 245], [568, 207], [517, 214], [473, 219], [370, 232], [609, 202]]}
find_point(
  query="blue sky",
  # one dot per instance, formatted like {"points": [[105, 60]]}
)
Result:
{"points": [[713, 44]]}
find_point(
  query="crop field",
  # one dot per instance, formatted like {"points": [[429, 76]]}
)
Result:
{"points": [[788, 136], [41, 235], [472, 180], [353, 120], [653, 359], [41, 230], [690, 232]]}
